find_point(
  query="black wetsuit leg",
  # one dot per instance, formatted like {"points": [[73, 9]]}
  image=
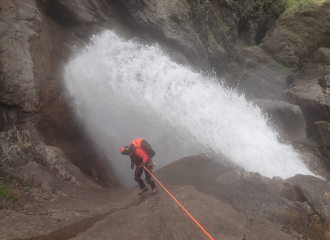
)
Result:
{"points": [[149, 179], [137, 177]]}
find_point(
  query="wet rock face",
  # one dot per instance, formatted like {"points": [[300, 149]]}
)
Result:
{"points": [[40, 137], [310, 90], [207, 32], [249, 21], [291, 43], [170, 21], [77, 11], [18, 87], [255, 73], [286, 118], [323, 128], [33, 169], [293, 37]]}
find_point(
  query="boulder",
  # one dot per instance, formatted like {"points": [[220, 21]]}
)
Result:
{"points": [[316, 67], [286, 118], [257, 75], [310, 89], [296, 32], [314, 102], [325, 81], [316, 194], [323, 128]]}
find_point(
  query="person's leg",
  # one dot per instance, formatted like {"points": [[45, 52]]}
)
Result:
{"points": [[149, 179], [137, 177]]}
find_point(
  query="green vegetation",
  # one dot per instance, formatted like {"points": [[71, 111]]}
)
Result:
{"points": [[286, 70], [306, 35], [222, 25], [213, 43], [5, 192], [203, 4], [211, 38], [268, 3], [295, 4], [292, 34], [26, 189]]}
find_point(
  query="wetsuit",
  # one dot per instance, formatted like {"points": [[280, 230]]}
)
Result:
{"points": [[140, 155]]}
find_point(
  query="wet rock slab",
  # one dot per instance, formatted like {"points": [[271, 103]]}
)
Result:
{"points": [[296, 207], [61, 217], [228, 202]]}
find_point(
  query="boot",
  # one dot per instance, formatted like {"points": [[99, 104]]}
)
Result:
{"points": [[143, 190]]}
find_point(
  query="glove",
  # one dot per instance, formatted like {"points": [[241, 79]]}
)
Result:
{"points": [[132, 166], [143, 164]]}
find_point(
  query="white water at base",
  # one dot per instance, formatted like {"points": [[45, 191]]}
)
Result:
{"points": [[124, 90]]}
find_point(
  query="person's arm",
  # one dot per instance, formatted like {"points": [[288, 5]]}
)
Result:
{"points": [[142, 154], [132, 163]]}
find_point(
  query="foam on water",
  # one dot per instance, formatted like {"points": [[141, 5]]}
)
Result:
{"points": [[124, 89]]}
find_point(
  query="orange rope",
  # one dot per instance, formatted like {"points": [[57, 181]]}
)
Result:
{"points": [[180, 205]]}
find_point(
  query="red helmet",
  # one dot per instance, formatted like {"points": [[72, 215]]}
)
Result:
{"points": [[125, 150]]}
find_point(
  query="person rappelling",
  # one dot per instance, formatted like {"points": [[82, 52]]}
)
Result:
{"points": [[140, 153]]}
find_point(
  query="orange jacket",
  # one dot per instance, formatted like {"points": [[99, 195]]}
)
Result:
{"points": [[138, 156]]}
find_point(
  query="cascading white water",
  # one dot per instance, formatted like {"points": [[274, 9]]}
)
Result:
{"points": [[124, 90]]}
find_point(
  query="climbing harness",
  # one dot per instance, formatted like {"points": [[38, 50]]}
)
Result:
{"points": [[180, 205], [151, 165]]}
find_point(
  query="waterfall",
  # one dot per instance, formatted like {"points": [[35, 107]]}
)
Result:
{"points": [[123, 90]]}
